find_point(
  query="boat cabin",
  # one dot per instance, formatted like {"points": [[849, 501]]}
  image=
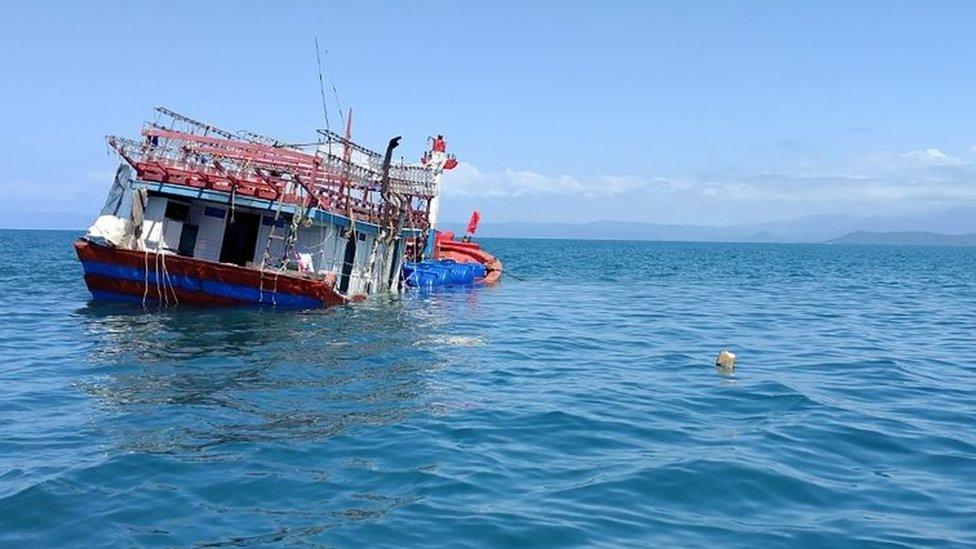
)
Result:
{"points": [[257, 236]]}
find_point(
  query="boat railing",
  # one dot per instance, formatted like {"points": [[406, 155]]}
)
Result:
{"points": [[259, 166]]}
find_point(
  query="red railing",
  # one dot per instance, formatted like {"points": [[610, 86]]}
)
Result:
{"points": [[194, 154]]}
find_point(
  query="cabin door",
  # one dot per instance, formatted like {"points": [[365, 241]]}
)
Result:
{"points": [[348, 260], [240, 239]]}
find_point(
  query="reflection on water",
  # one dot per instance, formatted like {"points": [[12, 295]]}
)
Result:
{"points": [[188, 380]]}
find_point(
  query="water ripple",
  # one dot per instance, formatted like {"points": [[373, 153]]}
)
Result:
{"points": [[577, 405]]}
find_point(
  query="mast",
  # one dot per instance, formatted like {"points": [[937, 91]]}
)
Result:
{"points": [[437, 160], [346, 149]]}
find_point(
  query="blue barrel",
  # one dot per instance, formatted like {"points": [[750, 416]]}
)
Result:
{"points": [[425, 275], [477, 270], [444, 272]]}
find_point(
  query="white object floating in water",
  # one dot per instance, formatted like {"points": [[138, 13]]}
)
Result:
{"points": [[726, 360]]}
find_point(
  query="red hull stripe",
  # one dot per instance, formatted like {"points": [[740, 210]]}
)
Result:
{"points": [[159, 283], [194, 276]]}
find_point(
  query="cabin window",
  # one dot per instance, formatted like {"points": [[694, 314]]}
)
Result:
{"points": [[213, 212], [269, 220], [177, 211]]}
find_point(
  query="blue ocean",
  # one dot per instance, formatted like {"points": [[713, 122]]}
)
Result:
{"points": [[575, 404]]}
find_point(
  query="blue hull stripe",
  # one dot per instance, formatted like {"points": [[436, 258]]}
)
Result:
{"points": [[192, 284], [102, 295]]}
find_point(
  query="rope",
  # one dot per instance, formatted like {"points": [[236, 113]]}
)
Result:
{"points": [[403, 248], [159, 295], [168, 282], [267, 247], [164, 286], [335, 251], [274, 292], [320, 247], [233, 193], [372, 262], [145, 281]]}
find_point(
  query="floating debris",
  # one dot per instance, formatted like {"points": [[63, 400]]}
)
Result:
{"points": [[726, 360]]}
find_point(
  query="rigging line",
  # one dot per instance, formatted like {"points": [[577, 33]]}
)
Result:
{"points": [[318, 58], [335, 93], [342, 115]]}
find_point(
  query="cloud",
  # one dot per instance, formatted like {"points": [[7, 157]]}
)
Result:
{"points": [[917, 159], [843, 189], [931, 157], [468, 180], [910, 179]]}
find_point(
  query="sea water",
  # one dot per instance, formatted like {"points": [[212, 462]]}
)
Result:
{"points": [[577, 404]]}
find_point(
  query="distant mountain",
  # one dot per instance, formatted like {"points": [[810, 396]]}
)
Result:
{"points": [[816, 228], [608, 230], [909, 238]]}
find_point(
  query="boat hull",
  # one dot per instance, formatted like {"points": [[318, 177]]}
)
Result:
{"points": [[130, 275]]}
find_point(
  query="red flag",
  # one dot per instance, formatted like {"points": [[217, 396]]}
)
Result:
{"points": [[473, 222]]}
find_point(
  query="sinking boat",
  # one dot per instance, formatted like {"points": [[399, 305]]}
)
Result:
{"points": [[198, 214]]}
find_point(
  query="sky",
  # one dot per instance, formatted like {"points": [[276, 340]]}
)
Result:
{"points": [[666, 112]]}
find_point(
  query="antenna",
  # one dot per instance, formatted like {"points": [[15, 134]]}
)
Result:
{"points": [[318, 57]]}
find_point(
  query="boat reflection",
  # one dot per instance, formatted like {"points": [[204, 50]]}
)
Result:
{"points": [[192, 380]]}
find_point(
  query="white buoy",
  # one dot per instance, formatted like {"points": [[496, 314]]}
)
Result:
{"points": [[725, 360]]}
